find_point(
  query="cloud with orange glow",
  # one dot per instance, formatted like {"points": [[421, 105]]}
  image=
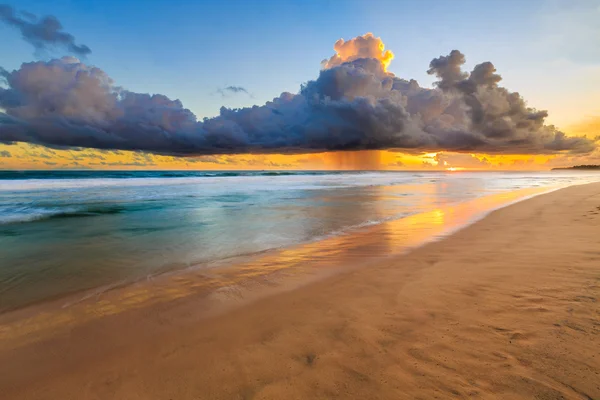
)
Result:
{"points": [[365, 46], [354, 104]]}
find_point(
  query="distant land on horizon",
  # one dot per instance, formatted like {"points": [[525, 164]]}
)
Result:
{"points": [[579, 167]]}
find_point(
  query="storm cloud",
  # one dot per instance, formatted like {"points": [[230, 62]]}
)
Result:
{"points": [[354, 104], [44, 33]]}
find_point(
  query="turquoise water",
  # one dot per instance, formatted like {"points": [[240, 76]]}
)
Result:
{"points": [[67, 231]]}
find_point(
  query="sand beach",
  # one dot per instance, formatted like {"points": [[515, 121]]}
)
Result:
{"points": [[506, 308]]}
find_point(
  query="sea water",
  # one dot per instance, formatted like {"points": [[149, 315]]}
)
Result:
{"points": [[68, 231]]}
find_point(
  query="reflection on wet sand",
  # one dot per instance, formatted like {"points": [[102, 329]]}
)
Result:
{"points": [[251, 277]]}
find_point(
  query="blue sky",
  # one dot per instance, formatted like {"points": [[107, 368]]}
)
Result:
{"points": [[547, 50]]}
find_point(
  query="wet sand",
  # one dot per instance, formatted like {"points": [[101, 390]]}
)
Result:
{"points": [[506, 308]]}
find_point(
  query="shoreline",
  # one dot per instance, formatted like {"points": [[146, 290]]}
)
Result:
{"points": [[279, 278], [475, 313], [127, 242]]}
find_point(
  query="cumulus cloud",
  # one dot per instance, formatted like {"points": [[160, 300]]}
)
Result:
{"points": [[354, 104], [44, 33], [498, 115], [365, 46]]}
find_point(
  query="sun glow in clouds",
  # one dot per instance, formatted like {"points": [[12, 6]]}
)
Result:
{"points": [[354, 115], [365, 46], [353, 105]]}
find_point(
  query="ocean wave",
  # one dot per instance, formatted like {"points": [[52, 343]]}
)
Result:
{"points": [[38, 175], [264, 181], [29, 214]]}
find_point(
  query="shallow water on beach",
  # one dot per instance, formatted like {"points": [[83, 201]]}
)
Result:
{"points": [[64, 232]]}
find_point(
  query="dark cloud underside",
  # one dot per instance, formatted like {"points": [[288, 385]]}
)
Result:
{"points": [[353, 104]]}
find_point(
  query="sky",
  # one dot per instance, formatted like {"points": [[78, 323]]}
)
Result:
{"points": [[236, 54]]}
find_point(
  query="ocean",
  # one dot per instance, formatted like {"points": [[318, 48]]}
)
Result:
{"points": [[63, 232]]}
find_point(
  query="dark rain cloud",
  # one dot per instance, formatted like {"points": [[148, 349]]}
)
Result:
{"points": [[43, 33], [353, 104]]}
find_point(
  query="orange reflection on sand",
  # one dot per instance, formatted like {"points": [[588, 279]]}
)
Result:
{"points": [[242, 278]]}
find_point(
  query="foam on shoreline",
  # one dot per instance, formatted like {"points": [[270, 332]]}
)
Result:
{"points": [[282, 269]]}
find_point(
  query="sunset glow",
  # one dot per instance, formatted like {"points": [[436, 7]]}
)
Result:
{"points": [[355, 103], [294, 199], [22, 156]]}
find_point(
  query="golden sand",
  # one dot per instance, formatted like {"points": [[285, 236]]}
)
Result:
{"points": [[506, 308]]}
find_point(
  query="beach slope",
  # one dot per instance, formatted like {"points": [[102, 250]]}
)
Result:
{"points": [[506, 308]]}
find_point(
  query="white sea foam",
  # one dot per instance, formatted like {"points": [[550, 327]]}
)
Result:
{"points": [[285, 182], [11, 215]]}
